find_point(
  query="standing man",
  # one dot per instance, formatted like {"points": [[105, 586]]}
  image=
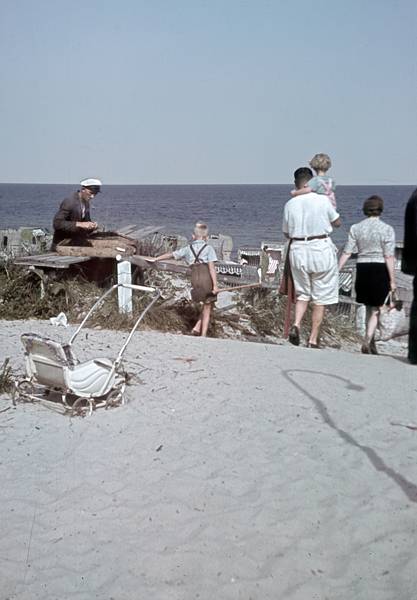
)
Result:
{"points": [[308, 222], [409, 266], [73, 219]]}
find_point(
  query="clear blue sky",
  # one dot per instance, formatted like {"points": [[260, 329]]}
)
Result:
{"points": [[213, 91]]}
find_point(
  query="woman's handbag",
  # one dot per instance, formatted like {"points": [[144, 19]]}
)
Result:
{"points": [[392, 320]]}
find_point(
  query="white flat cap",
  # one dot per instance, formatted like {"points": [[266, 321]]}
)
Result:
{"points": [[90, 182]]}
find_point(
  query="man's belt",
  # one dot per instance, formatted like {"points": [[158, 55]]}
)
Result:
{"points": [[310, 237]]}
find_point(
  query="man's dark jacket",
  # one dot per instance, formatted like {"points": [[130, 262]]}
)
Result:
{"points": [[409, 257], [68, 214]]}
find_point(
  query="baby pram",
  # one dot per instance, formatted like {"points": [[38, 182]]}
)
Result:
{"points": [[56, 378]]}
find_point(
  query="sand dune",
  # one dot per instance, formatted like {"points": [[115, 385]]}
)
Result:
{"points": [[235, 471]]}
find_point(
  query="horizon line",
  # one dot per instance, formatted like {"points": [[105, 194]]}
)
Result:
{"points": [[201, 184]]}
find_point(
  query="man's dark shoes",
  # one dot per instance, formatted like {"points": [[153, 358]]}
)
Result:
{"points": [[312, 345], [369, 347], [294, 337]]}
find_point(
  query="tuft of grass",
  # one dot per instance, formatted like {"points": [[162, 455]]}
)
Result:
{"points": [[26, 294], [266, 309], [6, 379]]}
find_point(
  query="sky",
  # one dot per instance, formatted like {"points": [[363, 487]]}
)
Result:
{"points": [[207, 91]]}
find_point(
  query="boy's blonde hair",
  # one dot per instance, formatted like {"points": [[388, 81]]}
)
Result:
{"points": [[200, 230], [320, 162]]}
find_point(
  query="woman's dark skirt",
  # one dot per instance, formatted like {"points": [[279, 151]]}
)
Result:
{"points": [[372, 283]]}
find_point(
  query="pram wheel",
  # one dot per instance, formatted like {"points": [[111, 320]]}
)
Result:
{"points": [[82, 407], [115, 398], [24, 391]]}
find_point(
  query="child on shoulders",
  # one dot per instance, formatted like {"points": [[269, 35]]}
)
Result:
{"points": [[321, 183], [201, 257]]}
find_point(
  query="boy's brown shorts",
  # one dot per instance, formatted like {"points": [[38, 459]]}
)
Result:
{"points": [[202, 284], [201, 295]]}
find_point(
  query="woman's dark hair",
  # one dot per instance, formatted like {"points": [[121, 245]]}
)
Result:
{"points": [[373, 206]]}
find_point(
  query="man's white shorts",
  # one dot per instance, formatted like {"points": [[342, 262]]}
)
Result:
{"points": [[314, 271]]}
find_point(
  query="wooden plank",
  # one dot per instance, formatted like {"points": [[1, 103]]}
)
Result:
{"points": [[162, 265], [140, 232], [53, 261], [34, 256], [249, 275], [95, 252], [73, 259]]}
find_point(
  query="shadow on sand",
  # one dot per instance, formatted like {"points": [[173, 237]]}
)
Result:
{"points": [[409, 488]]}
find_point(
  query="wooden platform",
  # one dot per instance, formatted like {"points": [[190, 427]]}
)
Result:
{"points": [[232, 274], [51, 261]]}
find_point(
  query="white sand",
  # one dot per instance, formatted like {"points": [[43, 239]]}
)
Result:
{"points": [[250, 472]]}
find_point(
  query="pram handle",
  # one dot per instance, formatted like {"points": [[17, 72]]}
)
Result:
{"points": [[142, 288]]}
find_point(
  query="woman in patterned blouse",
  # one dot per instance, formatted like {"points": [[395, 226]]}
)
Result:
{"points": [[374, 243]]}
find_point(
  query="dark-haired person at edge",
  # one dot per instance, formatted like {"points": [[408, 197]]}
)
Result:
{"points": [[308, 222], [374, 243], [409, 266], [73, 221]]}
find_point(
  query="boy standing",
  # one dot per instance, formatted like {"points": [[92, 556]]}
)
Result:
{"points": [[201, 257]]}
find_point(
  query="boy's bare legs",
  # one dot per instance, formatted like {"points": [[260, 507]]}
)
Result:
{"points": [[201, 327], [196, 330], [205, 319]]}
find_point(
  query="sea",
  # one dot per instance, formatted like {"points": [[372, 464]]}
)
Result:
{"points": [[250, 214]]}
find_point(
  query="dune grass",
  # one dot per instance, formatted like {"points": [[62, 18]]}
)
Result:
{"points": [[258, 314]]}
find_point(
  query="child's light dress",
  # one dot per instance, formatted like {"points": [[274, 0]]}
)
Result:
{"points": [[322, 184]]}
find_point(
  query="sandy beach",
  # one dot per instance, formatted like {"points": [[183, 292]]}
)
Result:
{"points": [[235, 471]]}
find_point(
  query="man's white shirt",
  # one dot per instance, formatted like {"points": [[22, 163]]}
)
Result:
{"points": [[308, 215]]}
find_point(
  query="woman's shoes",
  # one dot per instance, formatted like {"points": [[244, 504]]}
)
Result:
{"points": [[312, 345], [195, 332]]}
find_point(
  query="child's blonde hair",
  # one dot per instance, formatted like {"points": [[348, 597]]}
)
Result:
{"points": [[320, 162], [200, 230]]}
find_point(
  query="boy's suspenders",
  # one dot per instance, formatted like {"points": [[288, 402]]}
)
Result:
{"points": [[201, 282], [197, 255]]}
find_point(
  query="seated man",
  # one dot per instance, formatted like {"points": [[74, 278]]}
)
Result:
{"points": [[73, 217]]}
